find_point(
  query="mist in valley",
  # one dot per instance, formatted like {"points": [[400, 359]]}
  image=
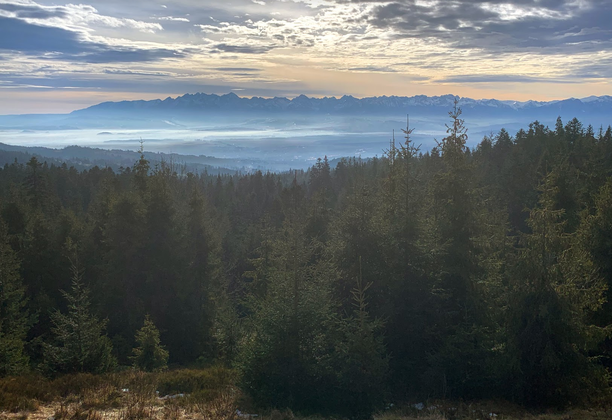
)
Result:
{"points": [[278, 143]]}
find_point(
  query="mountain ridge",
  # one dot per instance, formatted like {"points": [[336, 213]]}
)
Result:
{"points": [[346, 104]]}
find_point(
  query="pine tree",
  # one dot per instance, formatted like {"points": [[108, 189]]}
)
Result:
{"points": [[459, 356], [405, 301], [199, 291], [14, 319], [595, 235], [554, 290], [280, 358], [141, 171], [150, 355], [35, 185], [122, 279], [79, 344], [360, 359], [162, 259]]}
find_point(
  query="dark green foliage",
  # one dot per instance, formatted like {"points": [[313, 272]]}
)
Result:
{"points": [[14, 320], [460, 353], [487, 272], [288, 336], [149, 355], [554, 291], [360, 360], [79, 344]]}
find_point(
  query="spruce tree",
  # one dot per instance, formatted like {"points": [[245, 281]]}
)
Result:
{"points": [[549, 332], [359, 359], [14, 319], [595, 236], [280, 358], [79, 343], [149, 355], [460, 348], [198, 292]]}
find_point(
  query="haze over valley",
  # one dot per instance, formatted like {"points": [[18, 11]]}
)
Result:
{"points": [[281, 133]]}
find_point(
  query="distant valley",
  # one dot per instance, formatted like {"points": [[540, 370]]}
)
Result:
{"points": [[280, 133]]}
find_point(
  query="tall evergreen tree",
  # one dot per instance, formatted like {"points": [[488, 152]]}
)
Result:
{"points": [[14, 319], [199, 291], [459, 363], [79, 343], [359, 359], [280, 358], [554, 290]]}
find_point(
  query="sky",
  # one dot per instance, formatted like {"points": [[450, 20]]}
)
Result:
{"points": [[56, 57]]}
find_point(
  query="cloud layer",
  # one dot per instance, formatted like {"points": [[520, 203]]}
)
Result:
{"points": [[546, 48]]}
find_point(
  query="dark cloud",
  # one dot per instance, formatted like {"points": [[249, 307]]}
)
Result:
{"points": [[468, 24], [599, 69], [241, 49], [237, 69], [61, 44], [373, 69], [18, 35]]}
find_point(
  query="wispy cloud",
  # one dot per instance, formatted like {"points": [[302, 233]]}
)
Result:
{"points": [[47, 43], [71, 16], [360, 47]]}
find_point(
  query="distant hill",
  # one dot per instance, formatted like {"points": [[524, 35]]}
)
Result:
{"points": [[86, 157]]}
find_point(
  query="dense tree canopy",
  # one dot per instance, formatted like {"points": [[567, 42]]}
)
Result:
{"points": [[457, 273]]}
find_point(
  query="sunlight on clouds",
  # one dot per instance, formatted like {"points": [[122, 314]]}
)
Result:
{"points": [[171, 18], [360, 47], [508, 11], [79, 17]]}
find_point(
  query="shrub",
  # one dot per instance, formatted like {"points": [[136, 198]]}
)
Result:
{"points": [[150, 355]]}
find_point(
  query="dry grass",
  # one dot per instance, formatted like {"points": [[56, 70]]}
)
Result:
{"points": [[137, 407], [206, 395], [76, 412], [223, 407]]}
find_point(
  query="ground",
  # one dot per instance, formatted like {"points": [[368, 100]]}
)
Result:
{"points": [[211, 394]]}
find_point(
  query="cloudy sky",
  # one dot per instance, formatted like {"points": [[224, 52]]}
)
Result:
{"points": [[56, 57]]}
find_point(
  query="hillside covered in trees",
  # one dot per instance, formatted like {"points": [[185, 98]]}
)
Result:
{"points": [[451, 273]]}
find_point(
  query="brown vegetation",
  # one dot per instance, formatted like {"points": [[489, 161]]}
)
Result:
{"points": [[184, 394]]}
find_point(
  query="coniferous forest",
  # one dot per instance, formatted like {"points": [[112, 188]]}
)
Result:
{"points": [[454, 273]]}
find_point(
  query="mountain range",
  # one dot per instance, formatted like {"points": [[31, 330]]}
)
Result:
{"points": [[349, 105], [227, 132]]}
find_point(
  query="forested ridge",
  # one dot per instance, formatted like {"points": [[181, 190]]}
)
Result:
{"points": [[453, 273]]}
